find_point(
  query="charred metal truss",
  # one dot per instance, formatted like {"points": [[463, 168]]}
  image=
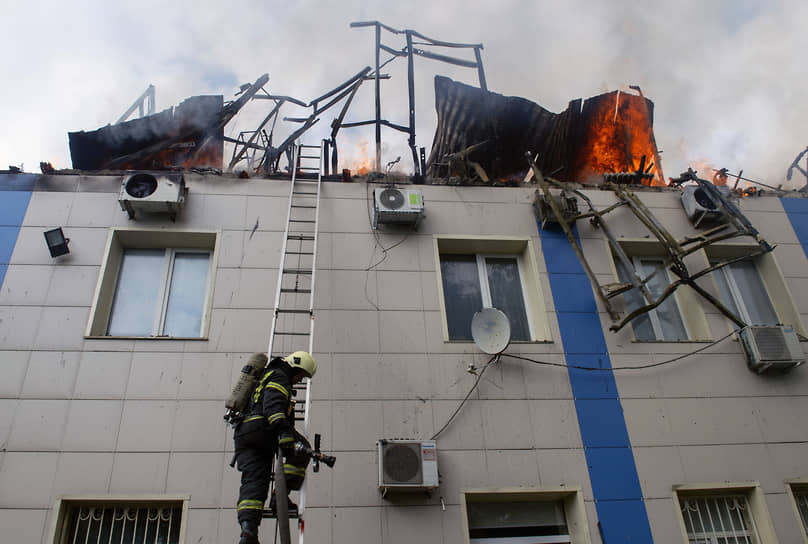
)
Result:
{"points": [[255, 146], [409, 51], [675, 250]]}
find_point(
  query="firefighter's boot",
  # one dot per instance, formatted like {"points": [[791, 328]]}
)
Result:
{"points": [[249, 533]]}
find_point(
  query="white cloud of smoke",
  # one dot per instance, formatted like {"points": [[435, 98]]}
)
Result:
{"points": [[726, 77]]}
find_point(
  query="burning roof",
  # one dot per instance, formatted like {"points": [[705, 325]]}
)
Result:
{"points": [[607, 134]]}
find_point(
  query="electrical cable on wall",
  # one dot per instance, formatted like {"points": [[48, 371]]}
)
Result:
{"points": [[641, 367], [579, 367], [473, 387], [379, 244]]}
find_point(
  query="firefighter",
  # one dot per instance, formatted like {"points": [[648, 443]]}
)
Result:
{"points": [[267, 425]]}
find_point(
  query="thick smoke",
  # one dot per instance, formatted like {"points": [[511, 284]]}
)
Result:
{"points": [[726, 76]]}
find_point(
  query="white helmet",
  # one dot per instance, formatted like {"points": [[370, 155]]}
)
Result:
{"points": [[303, 361]]}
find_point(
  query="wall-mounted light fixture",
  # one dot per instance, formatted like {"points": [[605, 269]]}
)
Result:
{"points": [[57, 243]]}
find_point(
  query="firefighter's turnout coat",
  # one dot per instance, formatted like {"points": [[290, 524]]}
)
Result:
{"points": [[269, 423]]}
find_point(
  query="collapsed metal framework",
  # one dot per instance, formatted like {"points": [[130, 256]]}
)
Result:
{"points": [[566, 214], [248, 144], [147, 99]]}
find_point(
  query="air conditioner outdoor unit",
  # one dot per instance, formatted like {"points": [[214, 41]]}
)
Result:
{"points": [[771, 348], [407, 465], [392, 205], [700, 206], [152, 193]]}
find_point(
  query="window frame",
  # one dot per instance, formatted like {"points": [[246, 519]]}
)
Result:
{"points": [[770, 274], [121, 239], [653, 316], [797, 489], [758, 511], [64, 505], [688, 302], [484, 246], [571, 498]]}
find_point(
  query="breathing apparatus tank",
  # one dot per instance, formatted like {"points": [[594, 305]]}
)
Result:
{"points": [[247, 380]]}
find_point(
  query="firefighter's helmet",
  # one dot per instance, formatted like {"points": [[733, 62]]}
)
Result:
{"points": [[303, 361]]}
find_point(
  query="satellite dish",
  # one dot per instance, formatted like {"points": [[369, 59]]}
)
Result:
{"points": [[491, 330]]}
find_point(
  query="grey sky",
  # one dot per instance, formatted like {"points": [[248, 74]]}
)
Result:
{"points": [[727, 77]]}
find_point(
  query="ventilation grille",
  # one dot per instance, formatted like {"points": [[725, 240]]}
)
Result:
{"points": [[402, 463], [771, 343]]}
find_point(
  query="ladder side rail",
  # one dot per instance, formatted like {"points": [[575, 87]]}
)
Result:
{"points": [[296, 152], [307, 409]]}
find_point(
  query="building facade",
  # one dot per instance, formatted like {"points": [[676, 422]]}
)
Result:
{"points": [[113, 396]]}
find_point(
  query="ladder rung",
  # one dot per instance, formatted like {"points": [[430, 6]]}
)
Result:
{"points": [[267, 514], [310, 169], [302, 206], [309, 157], [292, 311], [302, 291], [297, 271], [304, 194], [300, 253], [300, 237], [282, 333], [309, 146], [301, 220]]}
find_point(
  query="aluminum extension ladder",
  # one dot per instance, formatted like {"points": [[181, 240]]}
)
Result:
{"points": [[293, 316]]}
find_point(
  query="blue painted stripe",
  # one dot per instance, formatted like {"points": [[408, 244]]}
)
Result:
{"points": [[612, 470], [13, 205], [797, 211]]}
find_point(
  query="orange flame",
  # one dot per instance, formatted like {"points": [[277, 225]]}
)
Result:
{"points": [[619, 132], [360, 164]]}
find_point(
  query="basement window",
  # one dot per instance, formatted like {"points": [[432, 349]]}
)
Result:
{"points": [[108, 521], [155, 284], [524, 517], [476, 273]]}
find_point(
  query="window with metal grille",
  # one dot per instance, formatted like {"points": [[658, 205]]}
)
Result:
{"points": [[718, 519], [801, 498], [119, 522]]}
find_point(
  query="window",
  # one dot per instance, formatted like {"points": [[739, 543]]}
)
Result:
{"points": [[800, 494], [525, 517], [155, 284], [664, 322], [472, 282], [159, 292], [484, 273], [742, 291], [119, 521], [754, 288], [725, 514], [723, 519]]}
